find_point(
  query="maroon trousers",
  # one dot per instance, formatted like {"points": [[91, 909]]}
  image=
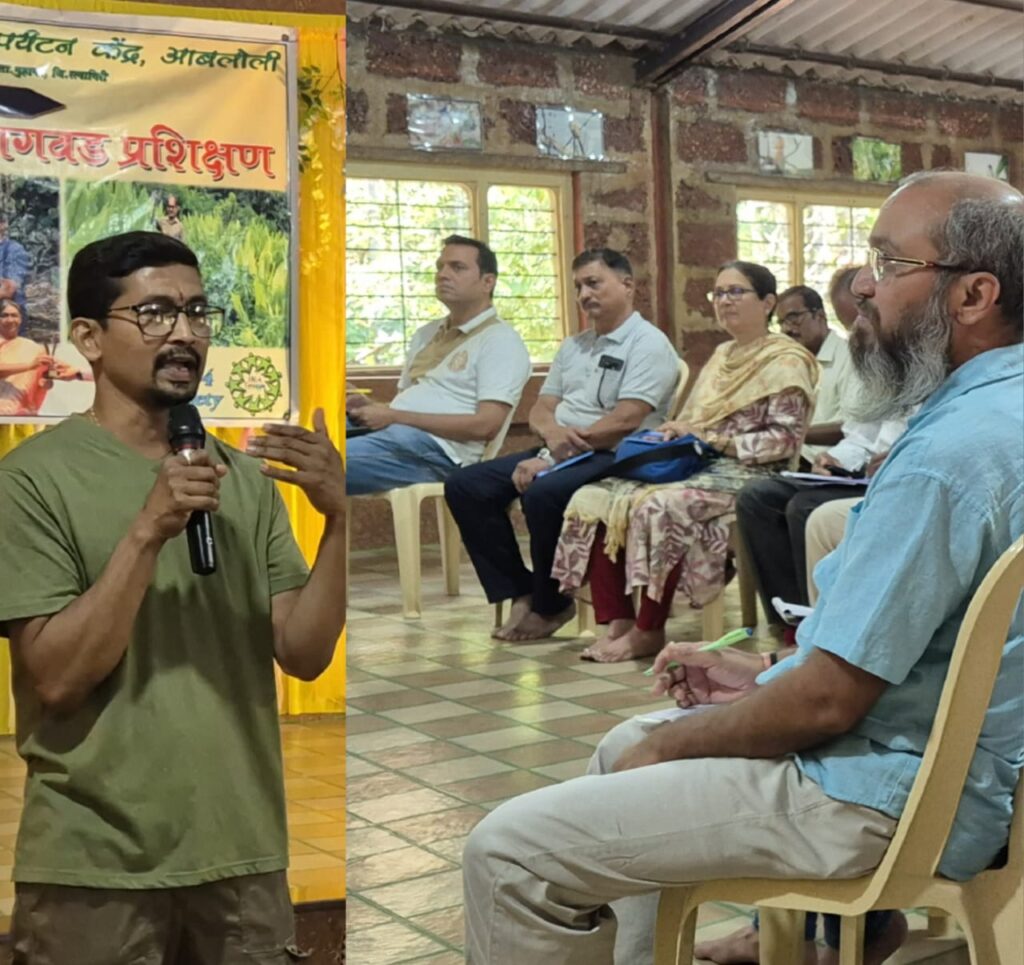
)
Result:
{"points": [[611, 599]]}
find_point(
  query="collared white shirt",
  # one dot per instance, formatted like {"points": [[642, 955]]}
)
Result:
{"points": [[837, 388], [493, 366], [862, 441]]}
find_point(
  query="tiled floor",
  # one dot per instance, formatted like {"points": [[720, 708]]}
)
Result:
{"points": [[445, 723], [315, 785]]}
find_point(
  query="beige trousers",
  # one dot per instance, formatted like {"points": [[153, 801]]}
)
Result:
{"points": [[551, 876], [824, 532]]}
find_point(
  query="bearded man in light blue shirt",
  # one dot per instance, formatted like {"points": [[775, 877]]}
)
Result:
{"points": [[808, 771]]}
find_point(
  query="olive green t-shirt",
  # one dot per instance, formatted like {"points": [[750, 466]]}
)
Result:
{"points": [[170, 773]]}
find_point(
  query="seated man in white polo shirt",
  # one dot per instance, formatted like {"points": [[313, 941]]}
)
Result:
{"points": [[802, 316], [463, 375], [614, 378]]}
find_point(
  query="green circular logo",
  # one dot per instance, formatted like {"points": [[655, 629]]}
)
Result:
{"points": [[255, 384]]}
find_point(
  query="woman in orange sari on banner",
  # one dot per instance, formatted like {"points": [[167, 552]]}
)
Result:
{"points": [[751, 402], [23, 364]]}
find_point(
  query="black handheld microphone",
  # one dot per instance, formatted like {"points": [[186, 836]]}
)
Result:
{"points": [[185, 433]]}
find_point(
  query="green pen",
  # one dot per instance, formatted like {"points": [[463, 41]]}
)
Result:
{"points": [[733, 636]]}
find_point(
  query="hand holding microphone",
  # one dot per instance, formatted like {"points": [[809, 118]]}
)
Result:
{"points": [[183, 486], [186, 490]]}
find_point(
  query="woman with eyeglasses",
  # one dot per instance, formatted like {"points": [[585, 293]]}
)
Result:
{"points": [[751, 402]]}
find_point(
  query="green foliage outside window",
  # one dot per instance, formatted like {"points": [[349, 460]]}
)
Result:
{"points": [[828, 236], [394, 230], [764, 237], [834, 236]]}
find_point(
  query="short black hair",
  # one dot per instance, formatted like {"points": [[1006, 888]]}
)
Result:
{"points": [[93, 279], [609, 257], [810, 297], [485, 258]]}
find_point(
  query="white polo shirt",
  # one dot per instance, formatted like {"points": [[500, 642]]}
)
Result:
{"points": [[644, 366], [492, 366], [837, 387]]}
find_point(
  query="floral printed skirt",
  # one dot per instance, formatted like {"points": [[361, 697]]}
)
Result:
{"points": [[685, 522]]}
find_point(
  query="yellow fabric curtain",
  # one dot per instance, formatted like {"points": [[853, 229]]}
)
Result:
{"points": [[320, 324]]}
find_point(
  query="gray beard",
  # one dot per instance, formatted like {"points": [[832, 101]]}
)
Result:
{"points": [[900, 370]]}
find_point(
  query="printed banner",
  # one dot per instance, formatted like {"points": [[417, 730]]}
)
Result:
{"points": [[112, 124]]}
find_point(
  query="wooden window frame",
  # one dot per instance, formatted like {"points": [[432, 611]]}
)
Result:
{"points": [[477, 181], [796, 200]]}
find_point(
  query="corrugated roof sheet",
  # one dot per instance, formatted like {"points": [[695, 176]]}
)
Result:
{"points": [[664, 17], [950, 35], [943, 34]]}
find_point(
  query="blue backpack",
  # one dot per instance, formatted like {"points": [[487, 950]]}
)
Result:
{"points": [[646, 457]]}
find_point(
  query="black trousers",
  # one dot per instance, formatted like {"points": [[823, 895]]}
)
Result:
{"points": [[479, 497], [772, 515]]}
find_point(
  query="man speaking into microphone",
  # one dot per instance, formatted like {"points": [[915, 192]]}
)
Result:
{"points": [[153, 827]]}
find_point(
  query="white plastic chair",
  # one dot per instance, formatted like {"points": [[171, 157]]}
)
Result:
{"points": [[989, 907], [405, 513]]}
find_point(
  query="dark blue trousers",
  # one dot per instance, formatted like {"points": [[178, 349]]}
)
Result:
{"points": [[479, 497]]}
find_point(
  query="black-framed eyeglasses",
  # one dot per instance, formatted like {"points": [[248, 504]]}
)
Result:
{"points": [[734, 294], [878, 259], [158, 320]]}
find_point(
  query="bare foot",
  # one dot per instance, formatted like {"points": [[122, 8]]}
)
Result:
{"points": [[742, 948], [881, 948], [519, 609], [616, 629], [632, 646], [536, 627]]}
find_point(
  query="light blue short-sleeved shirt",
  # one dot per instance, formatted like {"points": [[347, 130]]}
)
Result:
{"points": [[646, 368], [946, 504]]}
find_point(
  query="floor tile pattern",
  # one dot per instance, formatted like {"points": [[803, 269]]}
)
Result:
{"points": [[444, 724]]}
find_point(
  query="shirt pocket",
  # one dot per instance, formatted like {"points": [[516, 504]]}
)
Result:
{"points": [[607, 382]]}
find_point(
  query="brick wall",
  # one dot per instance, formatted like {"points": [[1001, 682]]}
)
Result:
{"points": [[510, 80], [713, 116]]}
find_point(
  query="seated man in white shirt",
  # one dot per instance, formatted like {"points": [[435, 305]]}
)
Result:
{"points": [[802, 316], [772, 513], [617, 376], [463, 375]]}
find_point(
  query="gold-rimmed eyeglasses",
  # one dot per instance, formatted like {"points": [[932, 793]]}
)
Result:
{"points": [[878, 259]]}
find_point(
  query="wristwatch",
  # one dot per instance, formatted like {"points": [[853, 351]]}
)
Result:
{"points": [[545, 454]]}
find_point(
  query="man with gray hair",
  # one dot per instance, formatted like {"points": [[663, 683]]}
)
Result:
{"points": [[808, 772]]}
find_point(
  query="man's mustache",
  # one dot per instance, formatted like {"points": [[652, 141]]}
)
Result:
{"points": [[867, 309], [186, 356]]}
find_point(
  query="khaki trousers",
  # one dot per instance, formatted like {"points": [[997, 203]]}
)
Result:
{"points": [[824, 532], [237, 921], [551, 876]]}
